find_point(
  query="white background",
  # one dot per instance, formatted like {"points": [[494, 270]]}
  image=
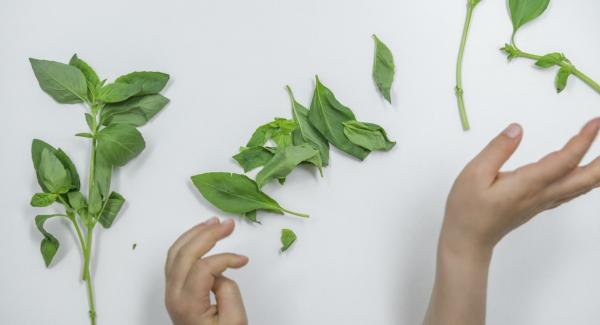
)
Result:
{"points": [[366, 256]]}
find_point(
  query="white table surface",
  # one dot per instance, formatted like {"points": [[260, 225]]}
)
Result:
{"points": [[366, 256]]}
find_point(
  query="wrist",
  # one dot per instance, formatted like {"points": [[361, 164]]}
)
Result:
{"points": [[458, 246]]}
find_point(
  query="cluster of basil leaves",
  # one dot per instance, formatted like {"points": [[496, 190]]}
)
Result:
{"points": [[521, 13], [115, 112], [282, 145]]}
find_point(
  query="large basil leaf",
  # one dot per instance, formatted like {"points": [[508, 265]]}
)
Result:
{"points": [[65, 83], [117, 92], [327, 115], [250, 158], [119, 143], [288, 237], [111, 209], [524, 11], [49, 245], [53, 175], [91, 78]]}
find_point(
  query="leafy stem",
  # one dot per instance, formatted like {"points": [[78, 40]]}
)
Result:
{"points": [[459, 88], [302, 215]]}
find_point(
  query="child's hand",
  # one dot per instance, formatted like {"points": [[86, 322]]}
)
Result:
{"points": [[190, 278], [485, 204]]}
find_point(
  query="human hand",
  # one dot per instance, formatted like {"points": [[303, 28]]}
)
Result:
{"points": [[484, 204], [190, 278]]}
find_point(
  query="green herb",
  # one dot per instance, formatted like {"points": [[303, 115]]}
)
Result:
{"points": [[251, 216], [279, 131], [288, 237], [383, 68], [368, 135], [115, 110], [134, 246], [235, 193], [253, 157], [459, 87], [284, 162], [525, 11], [327, 115]]}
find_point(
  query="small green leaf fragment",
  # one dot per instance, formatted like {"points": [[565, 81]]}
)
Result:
{"points": [[251, 216], [149, 82], [119, 143], [111, 209], [288, 237], [53, 174], [561, 78], [49, 245], [65, 83], [43, 199], [383, 68]]}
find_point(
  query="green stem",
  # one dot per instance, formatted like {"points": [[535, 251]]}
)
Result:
{"points": [[459, 89], [303, 215], [88, 278]]}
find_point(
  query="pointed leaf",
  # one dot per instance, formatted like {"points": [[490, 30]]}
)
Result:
{"points": [[288, 237], [111, 209], [49, 245], [383, 68], [65, 83], [119, 143]]}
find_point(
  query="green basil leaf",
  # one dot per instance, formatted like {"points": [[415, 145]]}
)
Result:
{"points": [[111, 209], [43, 199], [524, 11], [50, 244], [119, 143], [306, 132], [91, 78], [117, 92], [550, 60], [135, 111], [284, 162], [37, 146], [251, 216], [561, 79], [84, 135], [368, 135], [383, 68], [53, 174], [71, 169], [288, 237], [96, 201], [76, 200], [102, 175], [149, 82], [250, 158], [327, 115], [234, 193], [65, 83]]}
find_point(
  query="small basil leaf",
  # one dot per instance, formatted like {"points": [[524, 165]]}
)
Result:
{"points": [[561, 79], [43, 199], [550, 60], [368, 135], [111, 209], [50, 244], [117, 92], [76, 200], [89, 120], [250, 158], [383, 68], [96, 201], [327, 115], [524, 11], [119, 143], [91, 77], [65, 83], [53, 174], [288, 237], [284, 162], [149, 82], [71, 169]]}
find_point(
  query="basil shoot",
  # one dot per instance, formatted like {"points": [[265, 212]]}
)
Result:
{"points": [[114, 112], [459, 87], [383, 68], [288, 237], [525, 11]]}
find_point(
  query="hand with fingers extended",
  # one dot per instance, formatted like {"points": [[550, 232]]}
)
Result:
{"points": [[485, 204], [191, 276]]}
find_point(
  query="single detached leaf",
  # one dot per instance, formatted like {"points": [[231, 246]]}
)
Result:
{"points": [[118, 92], [53, 174], [368, 135], [550, 60], [306, 132], [84, 135], [383, 68], [91, 78], [135, 111], [524, 11], [43, 199], [561, 79], [65, 83], [71, 169], [284, 162], [149, 82], [327, 115], [234, 193], [288, 237], [250, 158], [119, 143], [50, 244], [111, 209]]}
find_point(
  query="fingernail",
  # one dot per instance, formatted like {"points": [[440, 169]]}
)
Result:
{"points": [[212, 221], [513, 130]]}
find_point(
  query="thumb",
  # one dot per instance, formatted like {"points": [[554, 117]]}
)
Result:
{"points": [[229, 302], [489, 161]]}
